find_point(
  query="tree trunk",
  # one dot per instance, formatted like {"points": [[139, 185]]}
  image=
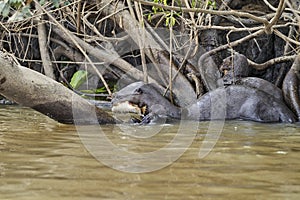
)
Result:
{"points": [[32, 89]]}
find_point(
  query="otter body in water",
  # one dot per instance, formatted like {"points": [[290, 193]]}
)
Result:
{"points": [[232, 102]]}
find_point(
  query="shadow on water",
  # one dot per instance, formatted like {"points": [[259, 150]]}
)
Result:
{"points": [[42, 159]]}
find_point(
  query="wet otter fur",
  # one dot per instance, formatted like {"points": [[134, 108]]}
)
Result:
{"points": [[232, 102], [148, 99]]}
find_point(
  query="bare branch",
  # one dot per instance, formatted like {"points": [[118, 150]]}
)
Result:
{"points": [[206, 11], [77, 45], [268, 27], [271, 62], [43, 45], [210, 80]]}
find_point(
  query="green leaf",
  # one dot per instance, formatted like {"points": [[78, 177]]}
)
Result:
{"points": [[149, 16], [26, 11], [95, 91], [78, 78], [56, 3], [173, 21], [212, 4], [17, 16], [15, 3], [42, 2], [167, 21], [101, 90], [193, 4], [66, 3], [5, 10], [88, 91], [2, 5], [154, 9]]}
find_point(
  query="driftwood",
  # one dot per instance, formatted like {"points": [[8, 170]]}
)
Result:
{"points": [[32, 89]]}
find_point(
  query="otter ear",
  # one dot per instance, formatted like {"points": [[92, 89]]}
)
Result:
{"points": [[138, 91]]}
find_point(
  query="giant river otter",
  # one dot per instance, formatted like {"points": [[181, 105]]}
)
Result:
{"points": [[232, 102]]}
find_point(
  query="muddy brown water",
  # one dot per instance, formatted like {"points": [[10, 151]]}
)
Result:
{"points": [[42, 159]]}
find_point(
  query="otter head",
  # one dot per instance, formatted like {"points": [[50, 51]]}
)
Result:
{"points": [[234, 68], [130, 100], [141, 99]]}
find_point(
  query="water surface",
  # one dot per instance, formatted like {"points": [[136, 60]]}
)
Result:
{"points": [[42, 159]]}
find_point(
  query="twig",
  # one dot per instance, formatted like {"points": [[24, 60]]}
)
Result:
{"points": [[278, 33], [78, 17], [99, 35], [76, 44], [43, 46], [269, 26], [287, 48], [170, 56], [271, 62], [141, 40], [248, 29], [206, 11], [204, 77], [274, 9], [47, 64], [296, 12]]}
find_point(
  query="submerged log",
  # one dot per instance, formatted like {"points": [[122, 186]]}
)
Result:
{"points": [[32, 89]]}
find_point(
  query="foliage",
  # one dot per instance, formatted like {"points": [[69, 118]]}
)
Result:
{"points": [[6, 5], [170, 20], [95, 91], [199, 3], [54, 2], [212, 4], [78, 78], [18, 10]]}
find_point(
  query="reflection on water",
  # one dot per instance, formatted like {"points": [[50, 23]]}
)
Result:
{"points": [[42, 159]]}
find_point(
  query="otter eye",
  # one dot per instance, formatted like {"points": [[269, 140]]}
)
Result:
{"points": [[138, 91]]}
